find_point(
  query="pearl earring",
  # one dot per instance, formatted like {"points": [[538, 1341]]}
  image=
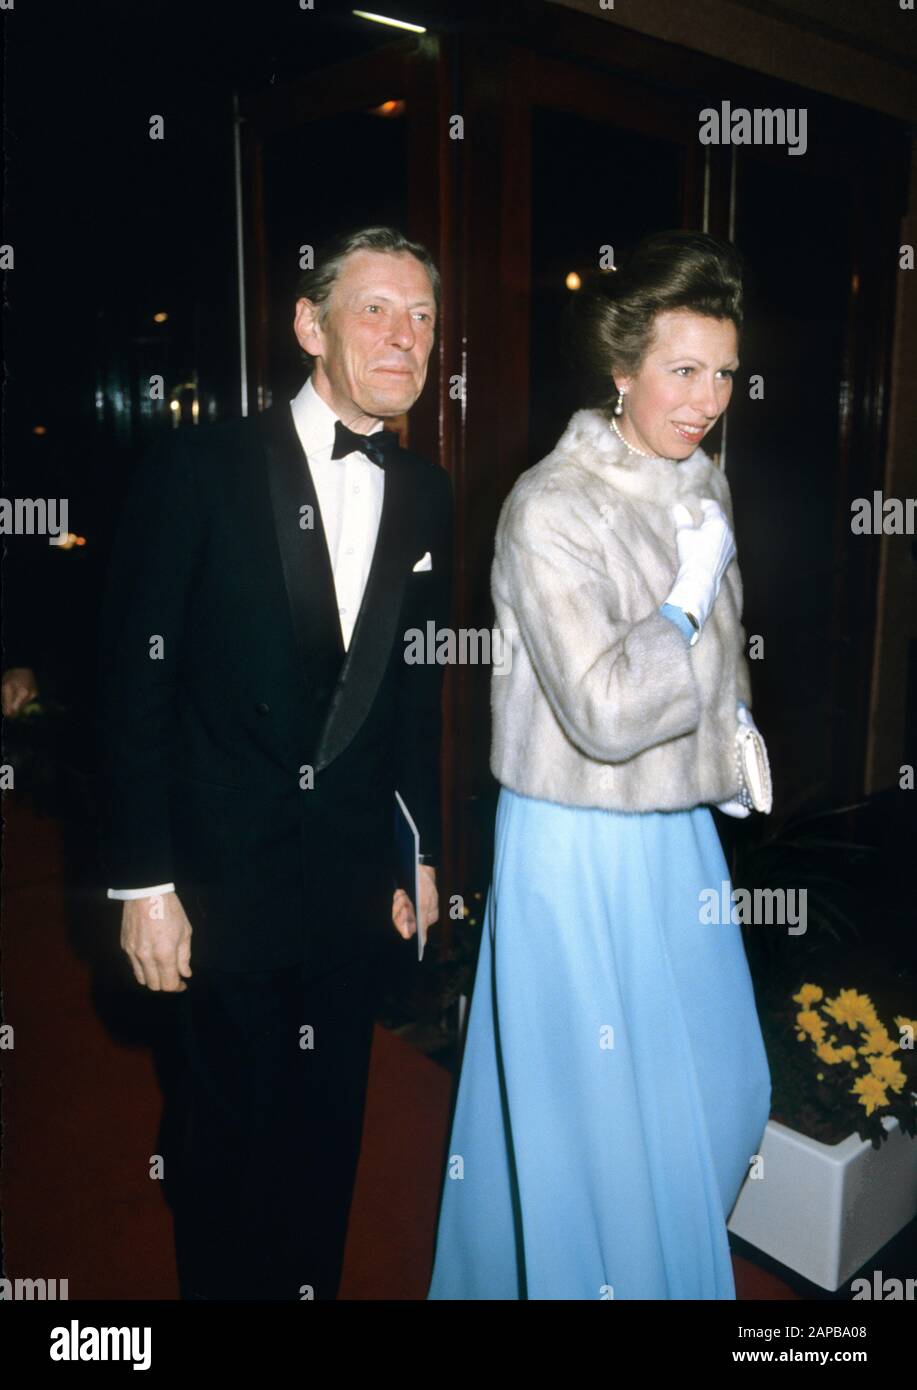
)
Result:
{"points": [[619, 407]]}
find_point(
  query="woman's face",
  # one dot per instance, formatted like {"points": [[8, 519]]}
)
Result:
{"points": [[683, 385]]}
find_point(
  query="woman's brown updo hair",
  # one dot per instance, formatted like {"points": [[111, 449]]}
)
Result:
{"points": [[611, 329]]}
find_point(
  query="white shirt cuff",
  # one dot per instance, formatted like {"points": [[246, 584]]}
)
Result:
{"points": [[127, 893]]}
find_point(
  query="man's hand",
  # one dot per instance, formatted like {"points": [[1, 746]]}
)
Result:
{"points": [[156, 935], [19, 687], [403, 909]]}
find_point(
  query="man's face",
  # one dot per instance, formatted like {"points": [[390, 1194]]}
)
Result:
{"points": [[374, 344]]}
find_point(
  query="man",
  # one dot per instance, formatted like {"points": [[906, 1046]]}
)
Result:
{"points": [[257, 717]]}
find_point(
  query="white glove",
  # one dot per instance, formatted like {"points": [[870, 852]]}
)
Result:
{"points": [[736, 808], [704, 555]]}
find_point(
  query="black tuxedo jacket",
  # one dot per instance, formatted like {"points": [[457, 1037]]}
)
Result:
{"points": [[224, 680]]}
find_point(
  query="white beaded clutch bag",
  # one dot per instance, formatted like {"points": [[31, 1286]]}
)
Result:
{"points": [[755, 788]]}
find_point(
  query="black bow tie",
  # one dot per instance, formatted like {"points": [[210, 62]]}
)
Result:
{"points": [[379, 447]]}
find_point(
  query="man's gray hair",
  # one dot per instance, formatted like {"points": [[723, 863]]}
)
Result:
{"points": [[316, 284]]}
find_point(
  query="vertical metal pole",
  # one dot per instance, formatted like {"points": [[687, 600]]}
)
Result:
{"points": [[240, 252]]}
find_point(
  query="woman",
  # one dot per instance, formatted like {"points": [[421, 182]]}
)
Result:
{"points": [[614, 1086]]}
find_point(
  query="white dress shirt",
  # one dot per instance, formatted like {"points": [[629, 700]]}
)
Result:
{"points": [[349, 492]]}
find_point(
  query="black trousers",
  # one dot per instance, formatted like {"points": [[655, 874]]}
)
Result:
{"points": [[273, 1089]]}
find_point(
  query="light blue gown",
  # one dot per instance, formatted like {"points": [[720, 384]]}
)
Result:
{"points": [[614, 1084]]}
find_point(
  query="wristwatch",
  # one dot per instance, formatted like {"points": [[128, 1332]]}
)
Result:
{"points": [[428, 859]]}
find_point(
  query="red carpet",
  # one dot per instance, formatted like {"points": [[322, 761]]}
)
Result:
{"points": [[81, 1111]]}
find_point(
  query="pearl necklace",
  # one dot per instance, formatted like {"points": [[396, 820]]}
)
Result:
{"points": [[614, 426]]}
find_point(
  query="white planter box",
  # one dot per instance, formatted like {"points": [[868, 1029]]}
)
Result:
{"points": [[825, 1209]]}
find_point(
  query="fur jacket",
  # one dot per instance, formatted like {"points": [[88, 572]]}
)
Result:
{"points": [[599, 700]]}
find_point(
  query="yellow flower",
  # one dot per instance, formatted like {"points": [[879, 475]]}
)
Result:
{"points": [[877, 1040], [871, 1093], [856, 1010], [888, 1072], [812, 1023], [809, 994], [831, 1054]]}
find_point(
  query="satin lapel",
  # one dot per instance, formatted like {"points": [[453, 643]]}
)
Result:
{"points": [[304, 555], [375, 631]]}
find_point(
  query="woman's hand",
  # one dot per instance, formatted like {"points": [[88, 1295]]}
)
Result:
{"points": [[733, 808], [705, 553]]}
